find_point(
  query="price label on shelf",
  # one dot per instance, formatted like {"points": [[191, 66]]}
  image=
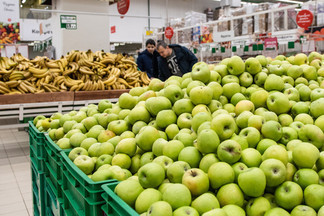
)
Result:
{"points": [[69, 22]]}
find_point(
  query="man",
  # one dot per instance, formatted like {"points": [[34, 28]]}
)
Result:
{"points": [[145, 59], [174, 60]]}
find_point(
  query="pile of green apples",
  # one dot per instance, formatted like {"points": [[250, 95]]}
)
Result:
{"points": [[233, 139]]}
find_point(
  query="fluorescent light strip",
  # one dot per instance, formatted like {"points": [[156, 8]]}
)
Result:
{"points": [[291, 1]]}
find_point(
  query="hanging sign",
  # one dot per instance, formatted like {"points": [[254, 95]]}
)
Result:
{"points": [[123, 6], [168, 32], [304, 18], [113, 29], [9, 11], [68, 22], [271, 43]]}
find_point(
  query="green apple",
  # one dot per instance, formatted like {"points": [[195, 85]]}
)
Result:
{"points": [[165, 117], [256, 121], [173, 93], [321, 211], [182, 106], [207, 161], [146, 137], [219, 174], [171, 131], [253, 66], [276, 152], [63, 119], [230, 89], [288, 195], [146, 198], [186, 138], [172, 149], [64, 143], [276, 211], [193, 84], [200, 118], [164, 161], [177, 195], [118, 126], [264, 144], [312, 134], [86, 143], [252, 182], [97, 149], [305, 177], [146, 158], [205, 203], [316, 108], [235, 65], [155, 104], [230, 79], [191, 155], [156, 84], [229, 151], [176, 170], [314, 196], [304, 93], [224, 125], [89, 122], [292, 94], [157, 147], [146, 95], [218, 212], [128, 191], [201, 95], [230, 194], [300, 59], [259, 98], [238, 168], [76, 152], [76, 139], [121, 160], [243, 118], [67, 126], [320, 161], [278, 103], [207, 141], [216, 88], [103, 159], [251, 157], [295, 71], [200, 71], [305, 155], [275, 172], [138, 126], [303, 210], [196, 181], [184, 120], [237, 97], [246, 79], [310, 72], [272, 130], [151, 175], [233, 210], [274, 82], [257, 206], [126, 146], [321, 177], [252, 136], [139, 113], [316, 94], [102, 174], [84, 163], [159, 208], [185, 210], [285, 119]]}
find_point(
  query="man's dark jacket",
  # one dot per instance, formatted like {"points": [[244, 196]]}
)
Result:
{"points": [[145, 62], [186, 59]]}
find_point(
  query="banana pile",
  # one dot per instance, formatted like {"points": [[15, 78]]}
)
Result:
{"points": [[77, 71]]}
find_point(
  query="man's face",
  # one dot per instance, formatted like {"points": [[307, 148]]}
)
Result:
{"points": [[150, 48], [164, 52]]}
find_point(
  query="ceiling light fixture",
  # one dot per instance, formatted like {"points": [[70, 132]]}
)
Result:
{"points": [[291, 1]]}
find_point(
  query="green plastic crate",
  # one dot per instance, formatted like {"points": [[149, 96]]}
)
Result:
{"points": [[54, 165], [37, 140], [114, 205], [37, 162], [38, 186], [52, 202], [81, 195]]}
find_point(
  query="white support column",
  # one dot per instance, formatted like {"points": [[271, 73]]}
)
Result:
{"points": [[272, 23], [286, 19]]}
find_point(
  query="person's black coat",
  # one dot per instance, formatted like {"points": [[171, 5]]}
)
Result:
{"points": [[186, 59], [145, 62]]}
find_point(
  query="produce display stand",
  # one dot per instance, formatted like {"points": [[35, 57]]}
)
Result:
{"points": [[30, 105]]}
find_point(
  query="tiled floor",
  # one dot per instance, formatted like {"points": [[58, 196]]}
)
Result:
{"points": [[15, 180]]}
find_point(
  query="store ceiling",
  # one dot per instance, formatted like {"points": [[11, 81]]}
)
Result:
{"points": [[276, 1]]}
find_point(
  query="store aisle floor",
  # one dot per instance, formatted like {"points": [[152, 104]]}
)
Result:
{"points": [[15, 179]]}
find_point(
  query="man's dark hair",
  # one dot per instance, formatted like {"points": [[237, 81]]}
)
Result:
{"points": [[161, 43], [150, 41]]}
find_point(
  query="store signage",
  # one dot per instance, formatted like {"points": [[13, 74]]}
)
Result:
{"points": [[69, 22], [113, 29], [223, 36], [123, 6], [271, 43], [168, 32], [304, 18], [35, 30], [9, 11]]}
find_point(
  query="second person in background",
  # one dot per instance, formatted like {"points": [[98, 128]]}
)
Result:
{"points": [[146, 59]]}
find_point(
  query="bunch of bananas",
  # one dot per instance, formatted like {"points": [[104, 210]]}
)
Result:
{"points": [[77, 71]]}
